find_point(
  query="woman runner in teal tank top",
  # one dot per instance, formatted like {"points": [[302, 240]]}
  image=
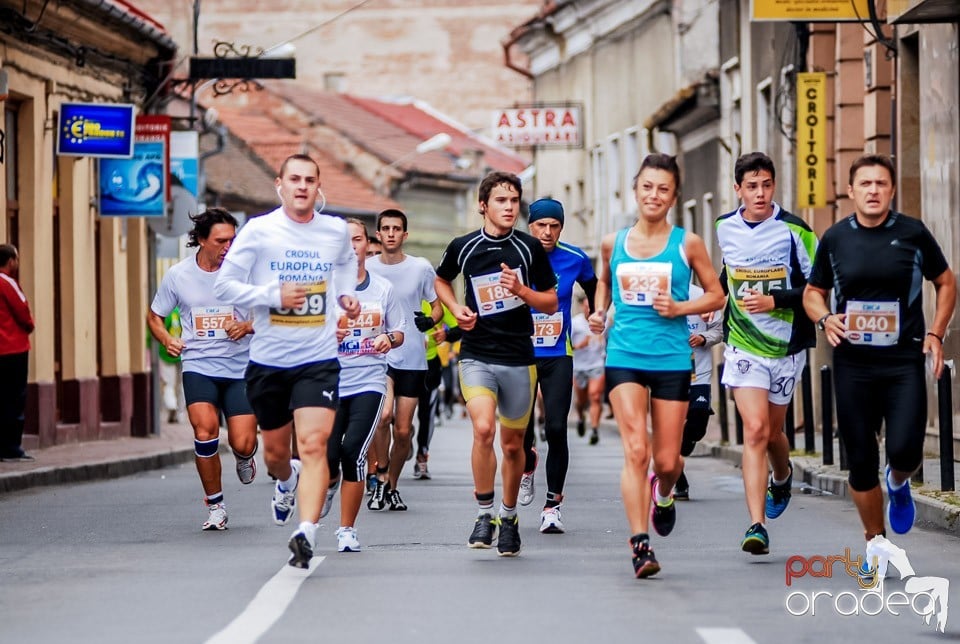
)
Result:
{"points": [[645, 273]]}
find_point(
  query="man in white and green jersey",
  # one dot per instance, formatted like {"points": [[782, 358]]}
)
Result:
{"points": [[767, 256]]}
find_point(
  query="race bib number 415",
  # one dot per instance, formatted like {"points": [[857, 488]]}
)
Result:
{"points": [[762, 280], [640, 282], [313, 312], [873, 323]]}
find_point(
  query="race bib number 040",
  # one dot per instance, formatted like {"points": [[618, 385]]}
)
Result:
{"points": [[761, 279], [640, 282], [491, 297], [873, 323], [209, 322], [547, 329], [313, 312]]}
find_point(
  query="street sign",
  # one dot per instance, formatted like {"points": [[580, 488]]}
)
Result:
{"points": [[251, 67], [810, 10], [811, 140], [543, 126], [95, 130]]}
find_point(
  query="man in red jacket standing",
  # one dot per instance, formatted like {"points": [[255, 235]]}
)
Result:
{"points": [[16, 324]]}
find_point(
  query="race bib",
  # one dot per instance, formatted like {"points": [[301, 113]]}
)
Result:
{"points": [[362, 331], [547, 329], [312, 313], [491, 297], [640, 282], [873, 323], [762, 279], [209, 322]]}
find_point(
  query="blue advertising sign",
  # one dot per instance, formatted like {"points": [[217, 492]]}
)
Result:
{"points": [[95, 130], [135, 187]]}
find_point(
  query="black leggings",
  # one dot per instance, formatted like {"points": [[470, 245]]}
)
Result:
{"points": [[871, 395], [698, 414], [555, 377], [353, 429], [427, 406]]}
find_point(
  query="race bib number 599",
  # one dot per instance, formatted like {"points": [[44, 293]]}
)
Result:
{"points": [[313, 312]]}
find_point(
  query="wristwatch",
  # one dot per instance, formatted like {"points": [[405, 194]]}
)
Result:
{"points": [[822, 322], [392, 338]]}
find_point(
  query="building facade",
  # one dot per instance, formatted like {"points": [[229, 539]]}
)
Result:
{"points": [[85, 276]]}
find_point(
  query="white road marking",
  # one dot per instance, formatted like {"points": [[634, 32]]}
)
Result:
{"points": [[266, 607], [724, 636]]}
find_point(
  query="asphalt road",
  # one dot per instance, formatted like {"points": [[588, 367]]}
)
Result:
{"points": [[124, 560]]}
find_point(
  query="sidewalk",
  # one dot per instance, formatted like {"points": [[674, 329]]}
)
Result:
{"points": [[95, 460]]}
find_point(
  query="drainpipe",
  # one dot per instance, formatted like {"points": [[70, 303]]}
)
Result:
{"points": [[508, 61]]}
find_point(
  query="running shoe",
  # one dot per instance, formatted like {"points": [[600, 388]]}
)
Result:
{"points": [[395, 502], [756, 541], [217, 519], [371, 484], [550, 521], [246, 467], [284, 501], [378, 500], [594, 436], [681, 491], [508, 544], [347, 540], [420, 471], [300, 549], [328, 502], [663, 517], [778, 496], [645, 563], [900, 509], [581, 428], [484, 531], [527, 489]]}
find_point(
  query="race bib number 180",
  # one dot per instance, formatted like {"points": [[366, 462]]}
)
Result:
{"points": [[313, 312], [491, 296]]}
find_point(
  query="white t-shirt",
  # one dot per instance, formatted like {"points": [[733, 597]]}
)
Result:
{"points": [[362, 369], [591, 356], [207, 350], [413, 282], [272, 249], [712, 333]]}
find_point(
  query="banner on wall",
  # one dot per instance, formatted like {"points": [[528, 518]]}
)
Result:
{"points": [[139, 186], [811, 140]]}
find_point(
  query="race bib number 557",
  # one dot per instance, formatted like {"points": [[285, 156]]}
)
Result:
{"points": [[313, 312]]}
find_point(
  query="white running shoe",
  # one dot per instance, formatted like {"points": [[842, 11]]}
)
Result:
{"points": [[283, 501], [550, 522], [218, 517], [420, 471], [246, 467], [347, 540], [526, 489], [328, 502]]}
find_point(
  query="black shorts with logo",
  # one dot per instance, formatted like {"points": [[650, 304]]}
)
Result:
{"points": [[408, 383], [274, 392]]}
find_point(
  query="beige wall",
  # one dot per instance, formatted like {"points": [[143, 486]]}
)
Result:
{"points": [[446, 52]]}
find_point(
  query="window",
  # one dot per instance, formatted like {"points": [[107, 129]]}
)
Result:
{"points": [[11, 177], [631, 164], [689, 215], [614, 181], [764, 112], [707, 217]]}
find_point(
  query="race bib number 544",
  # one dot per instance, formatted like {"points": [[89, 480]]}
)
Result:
{"points": [[313, 312]]}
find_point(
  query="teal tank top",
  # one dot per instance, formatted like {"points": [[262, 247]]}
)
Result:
{"points": [[641, 338]]}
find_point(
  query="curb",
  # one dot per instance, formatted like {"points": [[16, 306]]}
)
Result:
{"points": [[95, 471], [931, 511]]}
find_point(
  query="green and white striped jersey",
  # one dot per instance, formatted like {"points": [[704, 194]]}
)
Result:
{"points": [[774, 257]]}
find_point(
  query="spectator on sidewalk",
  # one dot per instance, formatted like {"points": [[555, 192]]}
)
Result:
{"points": [[16, 324]]}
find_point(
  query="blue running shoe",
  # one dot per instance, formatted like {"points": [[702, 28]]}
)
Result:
{"points": [[900, 510], [778, 496], [756, 541]]}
